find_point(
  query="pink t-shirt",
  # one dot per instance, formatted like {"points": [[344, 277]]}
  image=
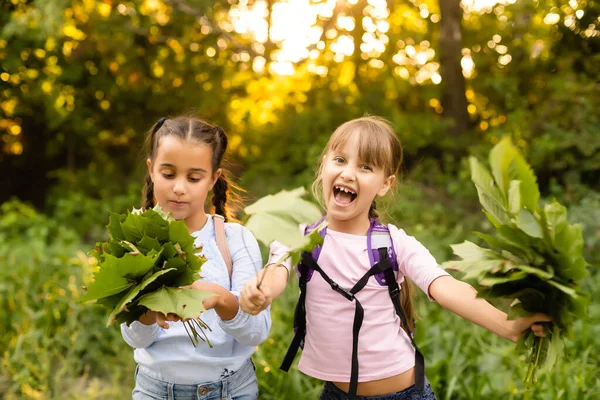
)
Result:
{"points": [[384, 349]]}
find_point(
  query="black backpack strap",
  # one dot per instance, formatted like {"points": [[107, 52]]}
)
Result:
{"points": [[394, 291], [299, 313]]}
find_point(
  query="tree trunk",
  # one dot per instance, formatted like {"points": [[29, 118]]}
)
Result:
{"points": [[454, 100]]}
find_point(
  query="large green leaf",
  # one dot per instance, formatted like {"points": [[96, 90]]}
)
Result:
{"points": [[108, 281], [131, 294], [136, 266], [179, 233], [490, 196], [469, 251], [507, 165], [529, 224], [114, 226], [521, 171], [564, 288], [269, 227], [149, 243], [518, 249], [542, 274], [156, 224], [571, 268], [500, 159], [555, 216], [498, 280], [182, 274], [186, 303], [514, 197], [556, 349], [474, 270], [287, 205]]}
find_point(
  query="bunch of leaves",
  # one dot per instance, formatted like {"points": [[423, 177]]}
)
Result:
{"points": [[145, 265], [279, 217], [535, 257]]}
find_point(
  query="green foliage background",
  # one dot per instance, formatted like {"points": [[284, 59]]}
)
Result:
{"points": [[81, 81]]}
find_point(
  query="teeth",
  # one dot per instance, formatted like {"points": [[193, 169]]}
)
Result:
{"points": [[343, 189]]}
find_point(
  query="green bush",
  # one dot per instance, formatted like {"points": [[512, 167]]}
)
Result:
{"points": [[51, 346]]}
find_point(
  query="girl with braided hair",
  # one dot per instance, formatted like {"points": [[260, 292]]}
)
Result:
{"points": [[184, 157]]}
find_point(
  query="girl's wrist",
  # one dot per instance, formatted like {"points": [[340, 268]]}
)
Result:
{"points": [[227, 307]]}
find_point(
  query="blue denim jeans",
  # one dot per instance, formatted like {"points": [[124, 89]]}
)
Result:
{"points": [[240, 385], [332, 392]]}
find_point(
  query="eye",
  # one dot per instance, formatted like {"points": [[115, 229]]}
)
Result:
{"points": [[367, 167], [194, 180], [339, 160], [168, 176]]}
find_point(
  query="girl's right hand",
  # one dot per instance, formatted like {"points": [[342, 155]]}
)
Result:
{"points": [[153, 317], [252, 299]]}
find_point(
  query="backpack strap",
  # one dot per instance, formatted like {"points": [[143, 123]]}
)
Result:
{"points": [[379, 236], [219, 222], [394, 290], [300, 316]]}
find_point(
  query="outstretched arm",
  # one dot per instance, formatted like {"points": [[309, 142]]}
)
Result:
{"points": [[461, 298], [268, 284]]}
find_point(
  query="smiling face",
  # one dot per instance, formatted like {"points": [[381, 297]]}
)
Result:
{"points": [[350, 184], [182, 176]]}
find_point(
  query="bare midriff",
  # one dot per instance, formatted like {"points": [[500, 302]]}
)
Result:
{"points": [[381, 387]]}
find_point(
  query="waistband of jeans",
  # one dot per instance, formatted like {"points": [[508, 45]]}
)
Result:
{"points": [[246, 365]]}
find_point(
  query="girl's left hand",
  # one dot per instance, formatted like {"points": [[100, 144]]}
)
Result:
{"points": [[520, 325], [224, 302]]}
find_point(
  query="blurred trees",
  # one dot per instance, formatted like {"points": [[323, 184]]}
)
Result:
{"points": [[82, 81]]}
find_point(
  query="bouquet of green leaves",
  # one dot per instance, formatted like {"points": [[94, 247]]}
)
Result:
{"points": [[279, 216], [144, 266], [535, 257]]}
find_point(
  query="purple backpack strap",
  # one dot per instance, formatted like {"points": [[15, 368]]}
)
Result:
{"points": [[317, 249], [378, 237]]}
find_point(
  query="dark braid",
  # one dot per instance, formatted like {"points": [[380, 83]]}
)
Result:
{"points": [[219, 199], [221, 188], [148, 191], [373, 211]]}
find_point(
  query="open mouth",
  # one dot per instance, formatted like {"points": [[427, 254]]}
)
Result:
{"points": [[343, 195]]}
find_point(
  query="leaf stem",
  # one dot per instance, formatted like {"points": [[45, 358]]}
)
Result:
{"points": [[281, 259], [537, 349]]}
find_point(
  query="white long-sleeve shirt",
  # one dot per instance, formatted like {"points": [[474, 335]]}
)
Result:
{"points": [[169, 355]]}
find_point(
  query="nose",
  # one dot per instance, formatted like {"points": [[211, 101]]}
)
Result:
{"points": [[348, 173], [179, 187]]}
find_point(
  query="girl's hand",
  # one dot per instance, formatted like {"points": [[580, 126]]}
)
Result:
{"points": [[224, 302], [153, 317], [252, 299], [520, 325]]}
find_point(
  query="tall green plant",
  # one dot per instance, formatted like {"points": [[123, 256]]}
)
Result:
{"points": [[535, 256]]}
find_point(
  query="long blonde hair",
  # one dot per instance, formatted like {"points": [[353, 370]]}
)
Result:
{"points": [[378, 145]]}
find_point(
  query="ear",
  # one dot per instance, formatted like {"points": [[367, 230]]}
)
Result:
{"points": [[149, 165], [387, 184], [216, 177]]}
